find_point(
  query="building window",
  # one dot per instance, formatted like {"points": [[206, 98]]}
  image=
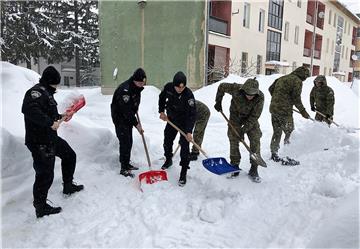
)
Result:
{"points": [[330, 15], [332, 47], [286, 33], [325, 70], [346, 53], [334, 24], [276, 14], [296, 39], [244, 62], [327, 45], [330, 71], [294, 66], [273, 46], [66, 81], [299, 3], [261, 20], [259, 64], [246, 16]]}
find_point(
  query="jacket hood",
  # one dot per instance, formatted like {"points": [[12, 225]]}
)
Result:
{"points": [[301, 72], [322, 79]]}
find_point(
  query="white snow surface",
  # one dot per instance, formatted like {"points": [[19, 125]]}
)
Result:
{"points": [[313, 205]]}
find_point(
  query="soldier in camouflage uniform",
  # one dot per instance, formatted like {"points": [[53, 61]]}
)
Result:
{"points": [[322, 99], [286, 92], [202, 118], [245, 109]]}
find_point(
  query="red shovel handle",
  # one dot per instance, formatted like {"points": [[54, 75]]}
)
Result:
{"points": [[77, 105]]}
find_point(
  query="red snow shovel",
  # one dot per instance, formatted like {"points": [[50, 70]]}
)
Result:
{"points": [[151, 176], [216, 165], [76, 105]]}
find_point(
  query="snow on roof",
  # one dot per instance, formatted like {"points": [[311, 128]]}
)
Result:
{"points": [[339, 73]]}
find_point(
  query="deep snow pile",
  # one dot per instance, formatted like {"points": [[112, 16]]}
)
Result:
{"points": [[311, 205]]}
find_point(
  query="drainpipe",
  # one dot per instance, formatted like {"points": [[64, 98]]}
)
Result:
{"points": [[207, 20], [314, 38]]}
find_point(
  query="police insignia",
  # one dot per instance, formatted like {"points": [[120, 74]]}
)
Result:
{"points": [[191, 102], [35, 94], [126, 98]]}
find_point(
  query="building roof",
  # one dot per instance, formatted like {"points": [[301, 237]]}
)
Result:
{"points": [[343, 8]]}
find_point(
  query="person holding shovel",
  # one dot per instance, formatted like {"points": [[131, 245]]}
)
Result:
{"points": [[41, 123], [202, 118], [124, 106], [245, 109], [322, 100], [179, 103], [286, 92]]}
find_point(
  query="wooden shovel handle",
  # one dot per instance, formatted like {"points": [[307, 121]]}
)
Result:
{"points": [[301, 114], [144, 142], [327, 118], [183, 133]]}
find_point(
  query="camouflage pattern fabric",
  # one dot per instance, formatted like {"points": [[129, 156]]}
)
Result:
{"points": [[322, 98], [280, 124], [202, 118], [244, 115]]}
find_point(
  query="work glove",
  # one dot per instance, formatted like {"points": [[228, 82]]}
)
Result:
{"points": [[305, 114], [313, 108], [329, 117], [218, 106]]}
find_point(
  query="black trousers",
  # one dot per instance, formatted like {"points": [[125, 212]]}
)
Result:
{"points": [[169, 136], [44, 162], [124, 134]]}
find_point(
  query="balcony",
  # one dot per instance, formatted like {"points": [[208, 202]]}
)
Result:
{"points": [[307, 52], [217, 25]]}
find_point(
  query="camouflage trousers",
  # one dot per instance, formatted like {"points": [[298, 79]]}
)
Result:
{"points": [[199, 130], [254, 136], [280, 124]]}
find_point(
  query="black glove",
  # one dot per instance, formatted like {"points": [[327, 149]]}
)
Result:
{"points": [[305, 114], [218, 106], [313, 108], [328, 117]]}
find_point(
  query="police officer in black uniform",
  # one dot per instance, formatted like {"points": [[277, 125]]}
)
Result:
{"points": [[179, 103], [41, 123], [124, 106]]}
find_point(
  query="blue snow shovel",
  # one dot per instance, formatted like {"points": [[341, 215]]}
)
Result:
{"points": [[216, 165]]}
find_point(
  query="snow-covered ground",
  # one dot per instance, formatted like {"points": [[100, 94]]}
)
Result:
{"points": [[315, 204]]}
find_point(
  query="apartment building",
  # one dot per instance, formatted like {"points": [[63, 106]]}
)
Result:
{"points": [[277, 36]]}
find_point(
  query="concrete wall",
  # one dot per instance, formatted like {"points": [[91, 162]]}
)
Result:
{"points": [[171, 35]]}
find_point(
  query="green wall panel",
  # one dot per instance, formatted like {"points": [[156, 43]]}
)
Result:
{"points": [[173, 39]]}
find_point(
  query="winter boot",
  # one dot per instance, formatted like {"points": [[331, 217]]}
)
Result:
{"points": [[253, 174], [45, 209], [70, 188], [182, 179], [126, 173], [131, 167], [193, 156], [167, 164], [275, 157], [235, 174]]}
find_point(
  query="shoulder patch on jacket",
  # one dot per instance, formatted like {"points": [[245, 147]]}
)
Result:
{"points": [[126, 98], [35, 94], [191, 102]]}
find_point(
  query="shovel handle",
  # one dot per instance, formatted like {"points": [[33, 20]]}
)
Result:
{"points": [[301, 114], [327, 118], [183, 133], [144, 142]]}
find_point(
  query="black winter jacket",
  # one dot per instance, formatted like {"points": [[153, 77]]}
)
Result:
{"points": [[40, 111], [125, 103], [180, 108]]}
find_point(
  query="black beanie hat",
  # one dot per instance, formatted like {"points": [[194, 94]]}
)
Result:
{"points": [[179, 78], [50, 76], [139, 75]]}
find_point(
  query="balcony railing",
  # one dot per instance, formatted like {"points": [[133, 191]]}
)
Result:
{"points": [[217, 25], [317, 54], [307, 53]]}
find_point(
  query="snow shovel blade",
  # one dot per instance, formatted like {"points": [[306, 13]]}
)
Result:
{"points": [[153, 176], [219, 166], [257, 158], [75, 106]]}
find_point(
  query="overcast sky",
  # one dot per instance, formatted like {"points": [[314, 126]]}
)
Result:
{"points": [[352, 5]]}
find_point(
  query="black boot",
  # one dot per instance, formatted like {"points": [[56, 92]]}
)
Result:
{"points": [[193, 156], [275, 157], [235, 174], [253, 174], [70, 188], [45, 209], [167, 164], [182, 179], [131, 167], [126, 173]]}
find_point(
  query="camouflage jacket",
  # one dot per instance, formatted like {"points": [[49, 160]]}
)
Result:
{"points": [[243, 112], [323, 99], [202, 111], [286, 92]]}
